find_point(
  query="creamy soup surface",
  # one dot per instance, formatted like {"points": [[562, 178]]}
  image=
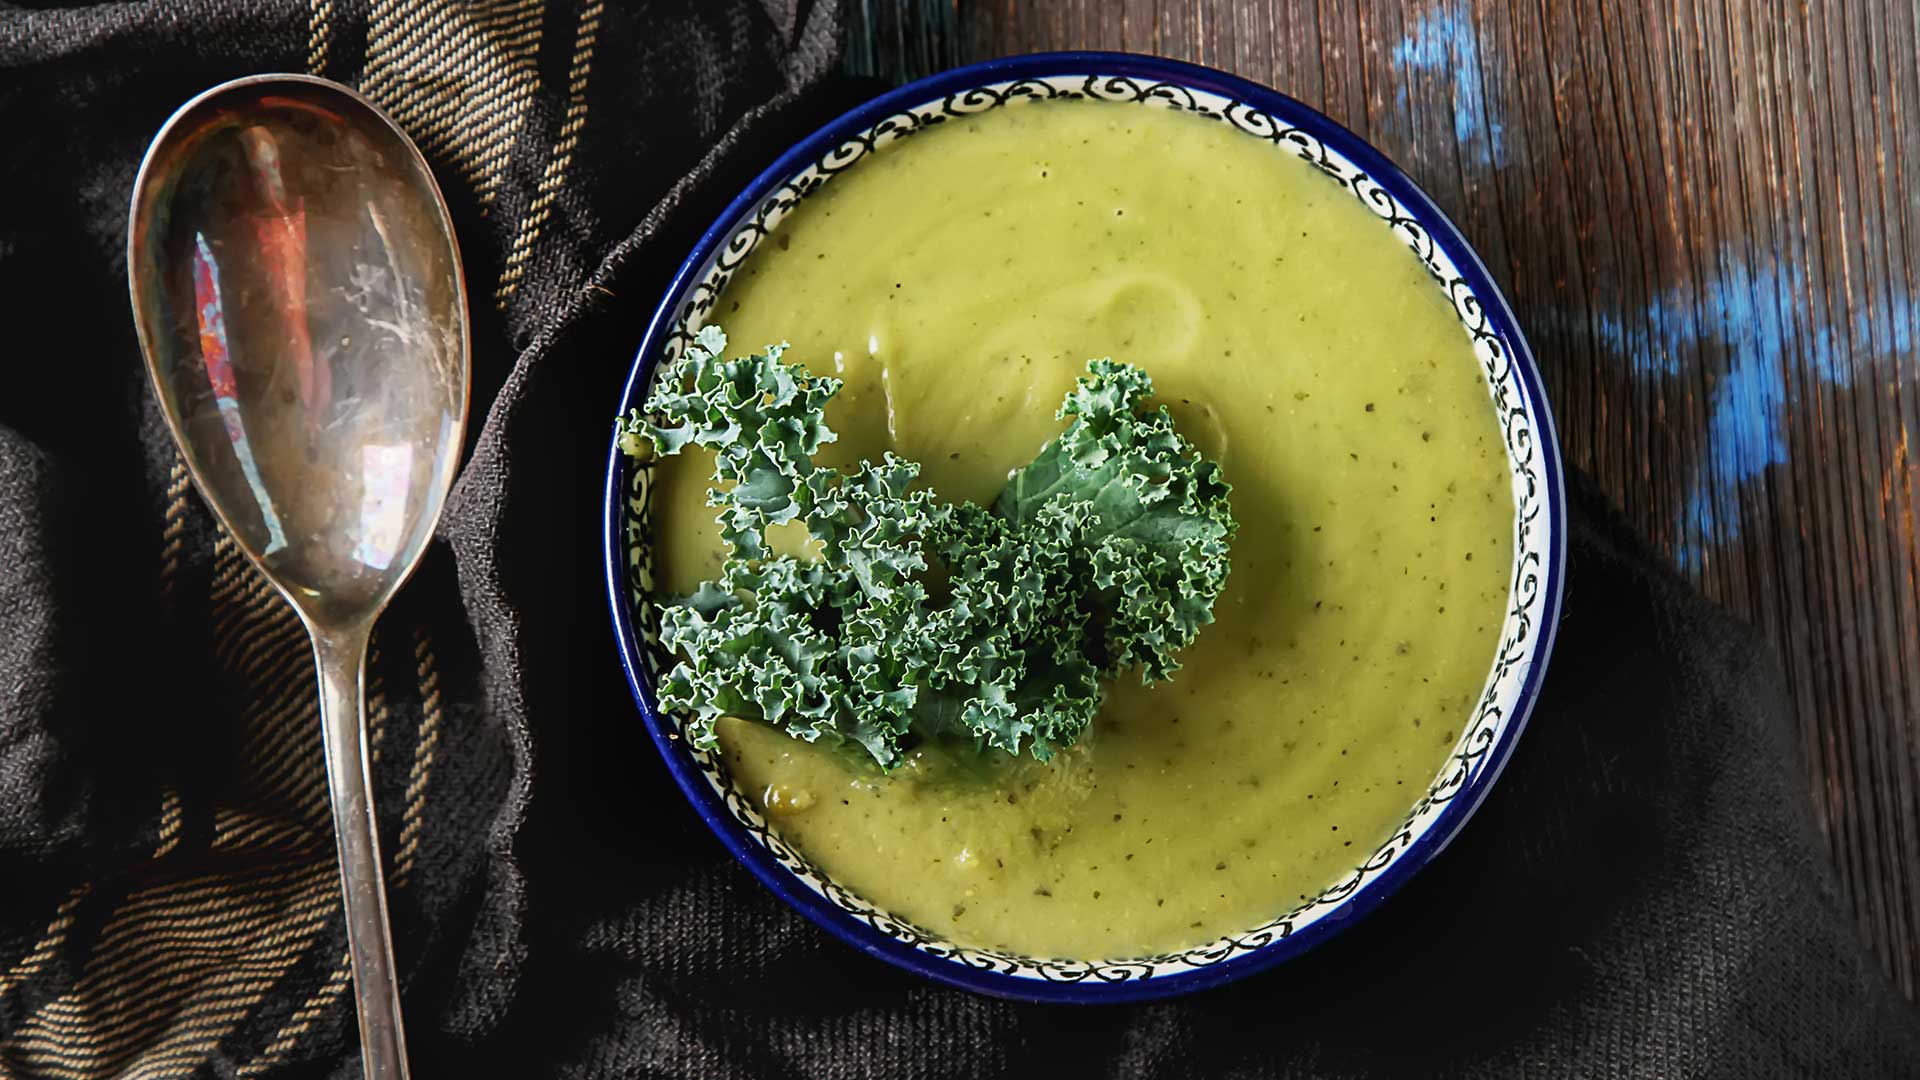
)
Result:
{"points": [[958, 282]]}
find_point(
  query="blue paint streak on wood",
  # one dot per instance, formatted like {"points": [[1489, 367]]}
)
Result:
{"points": [[1443, 42], [1758, 319]]}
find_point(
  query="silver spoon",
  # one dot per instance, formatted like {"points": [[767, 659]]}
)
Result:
{"points": [[299, 298]]}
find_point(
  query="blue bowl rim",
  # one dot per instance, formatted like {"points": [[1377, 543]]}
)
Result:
{"points": [[1446, 236]]}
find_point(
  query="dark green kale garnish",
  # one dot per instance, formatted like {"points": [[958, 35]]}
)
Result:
{"points": [[922, 618]]}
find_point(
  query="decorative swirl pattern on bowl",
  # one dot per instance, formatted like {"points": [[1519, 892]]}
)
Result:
{"points": [[1535, 480]]}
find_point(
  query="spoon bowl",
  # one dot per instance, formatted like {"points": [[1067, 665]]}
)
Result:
{"points": [[299, 299], [300, 302]]}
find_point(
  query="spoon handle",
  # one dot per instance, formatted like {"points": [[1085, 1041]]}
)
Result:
{"points": [[341, 658]]}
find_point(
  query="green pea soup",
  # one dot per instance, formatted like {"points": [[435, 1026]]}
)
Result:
{"points": [[957, 282]]}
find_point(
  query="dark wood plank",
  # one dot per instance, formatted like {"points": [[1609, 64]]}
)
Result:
{"points": [[1708, 216]]}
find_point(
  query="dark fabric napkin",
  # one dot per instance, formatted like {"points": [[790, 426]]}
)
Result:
{"points": [[1642, 895]]}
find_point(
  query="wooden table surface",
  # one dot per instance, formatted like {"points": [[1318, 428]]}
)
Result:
{"points": [[1706, 215]]}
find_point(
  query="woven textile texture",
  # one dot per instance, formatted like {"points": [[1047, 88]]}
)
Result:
{"points": [[1641, 896]]}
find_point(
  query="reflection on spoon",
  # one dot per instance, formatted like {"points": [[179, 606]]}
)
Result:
{"points": [[281, 243], [384, 475], [213, 350]]}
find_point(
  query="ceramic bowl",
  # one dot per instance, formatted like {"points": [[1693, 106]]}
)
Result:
{"points": [[1513, 383]]}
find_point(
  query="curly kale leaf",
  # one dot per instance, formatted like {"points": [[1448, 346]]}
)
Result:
{"points": [[920, 618], [1158, 523]]}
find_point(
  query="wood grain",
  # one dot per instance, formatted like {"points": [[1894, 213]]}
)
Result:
{"points": [[1706, 213]]}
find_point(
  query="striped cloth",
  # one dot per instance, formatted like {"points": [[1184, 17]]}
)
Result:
{"points": [[1642, 895], [170, 900]]}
